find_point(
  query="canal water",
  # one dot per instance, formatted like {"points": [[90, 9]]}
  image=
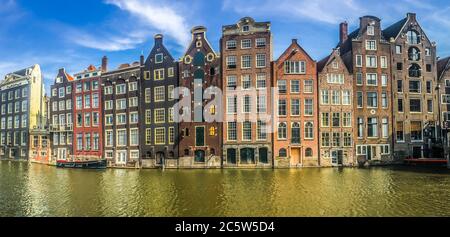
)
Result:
{"points": [[37, 190]]}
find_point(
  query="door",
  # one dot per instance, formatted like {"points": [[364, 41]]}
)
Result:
{"points": [[231, 156], [121, 157], [417, 152], [199, 156], [369, 153], [247, 156], [295, 156], [160, 158], [295, 133], [263, 155], [337, 157], [200, 136]]}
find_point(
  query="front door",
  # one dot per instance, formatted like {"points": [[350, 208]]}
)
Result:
{"points": [[417, 152], [199, 156], [337, 157], [295, 156], [231, 156], [159, 158], [369, 153], [263, 155], [121, 158], [62, 154], [247, 156]]}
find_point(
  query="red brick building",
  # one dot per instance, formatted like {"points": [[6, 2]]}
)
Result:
{"points": [[88, 129]]}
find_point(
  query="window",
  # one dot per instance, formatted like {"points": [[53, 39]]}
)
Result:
{"points": [[398, 49], [232, 104], [147, 95], [261, 130], [121, 89], [232, 131], [415, 105], [346, 98], [429, 87], [231, 82], [282, 86], [370, 30], [385, 128], [79, 102], [414, 86], [359, 62], [121, 119], [170, 72], [68, 105], [336, 139], [95, 100], [384, 80], [383, 62], [159, 74], [348, 140], [160, 94], [247, 131], [231, 62], [295, 107], [95, 118], [133, 102], [415, 70], [246, 43], [372, 79], [246, 82], [247, 104], [336, 120], [134, 137], [260, 42], [361, 150], [325, 119], [309, 130], [108, 90], [416, 130], [295, 67], [160, 116], [372, 99], [445, 99], [430, 106], [87, 119], [335, 97], [428, 67], [371, 61], [245, 28], [400, 105], [134, 118], [148, 136], [61, 92], [282, 131], [260, 60], [231, 44], [132, 86], [372, 127], [95, 85], [282, 110], [159, 58], [79, 142], [309, 110], [371, 45], [148, 116], [324, 97], [400, 133], [412, 37], [261, 81], [414, 54], [308, 86], [121, 104], [261, 104], [399, 86], [121, 137], [384, 100], [335, 78], [325, 139], [347, 120], [359, 79], [295, 86], [282, 152], [246, 61], [88, 141]]}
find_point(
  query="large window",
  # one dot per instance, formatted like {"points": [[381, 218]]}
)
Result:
{"points": [[309, 130], [295, 107], [282, 131], [295, 133], [372, 99], [335, 97], [246, 61], [325, 119], [309, 107], [372, 127], [372, 79], [160, 136], [414, 54], [371, 61], [400, 132], [247, 131], [309, 86], [282, 107], [416, 130], [413, 37], [231, 62], [336, 120], [260, 60], [121, 137], [415, 70], [414, 86], [261, 130], [295, 67], [325, 139], [415, 105], [324, 97]]}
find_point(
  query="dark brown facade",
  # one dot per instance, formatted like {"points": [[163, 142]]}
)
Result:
{"points": [[200, 128], [246, 52], [159, 131]]}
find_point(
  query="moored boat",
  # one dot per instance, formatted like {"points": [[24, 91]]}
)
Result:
{"points": [[95, 164]]}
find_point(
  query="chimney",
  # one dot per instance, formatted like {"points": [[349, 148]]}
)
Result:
{"points": [[343, 32], [158, 38], [61, 71], [104, 64], [142, 59], [411, 16], [294, 41]]}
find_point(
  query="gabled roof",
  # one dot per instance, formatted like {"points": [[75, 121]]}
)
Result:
{"points": [[322, 63], [442, 66], [294, 43], [394, 30]]}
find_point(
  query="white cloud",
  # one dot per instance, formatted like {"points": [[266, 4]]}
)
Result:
{"points": [[157, 16]]}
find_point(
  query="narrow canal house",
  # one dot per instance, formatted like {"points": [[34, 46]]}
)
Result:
{"points": [[367, 56], [21, 106], [87, 112], [121, 115], [335, 112], [443, 70], [246, 52], [200, 139], [295, 140], [61, 116], [159, 132], [39, 139], [414, 79]]}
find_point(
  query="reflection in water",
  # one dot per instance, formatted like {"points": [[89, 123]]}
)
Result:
{"points": [[35, 190]]}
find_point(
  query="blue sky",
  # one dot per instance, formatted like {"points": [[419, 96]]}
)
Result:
{"points": [[74, 34]]}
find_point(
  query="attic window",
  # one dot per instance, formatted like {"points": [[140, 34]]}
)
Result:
{"points": [[58, 80], [245, 28], [370, 30], [335, 64], [159, 58]]}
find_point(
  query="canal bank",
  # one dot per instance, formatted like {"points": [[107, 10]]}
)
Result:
{"points": [[37, 190]]}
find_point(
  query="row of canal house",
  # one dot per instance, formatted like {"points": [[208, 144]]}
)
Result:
{"points": [[374, 99]]}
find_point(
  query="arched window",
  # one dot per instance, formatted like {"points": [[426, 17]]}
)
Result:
{"points": [[199, 59], [282, 152], [282, 131], [309, 130], [413, 37], [414, 54], [415, 70], [308, 152]]}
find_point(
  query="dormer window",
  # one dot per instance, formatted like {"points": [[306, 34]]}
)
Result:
{"points": [[58, 80], [246, 28], [370, 30], [159, 58]]}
